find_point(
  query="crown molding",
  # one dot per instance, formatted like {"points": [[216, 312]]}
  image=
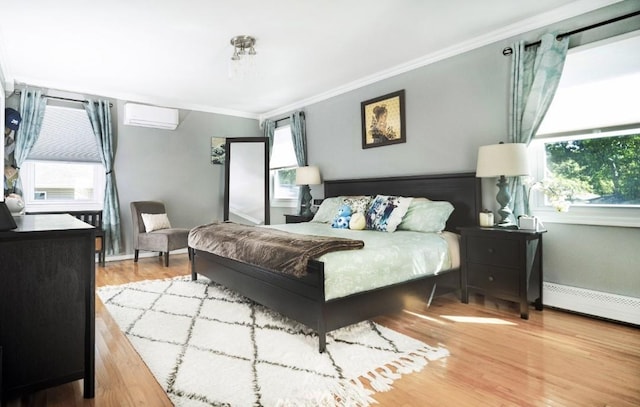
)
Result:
{"points": [[131, 97]]}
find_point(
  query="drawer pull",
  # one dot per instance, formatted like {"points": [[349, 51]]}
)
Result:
{"points": [[491, 278], [491, 250]]}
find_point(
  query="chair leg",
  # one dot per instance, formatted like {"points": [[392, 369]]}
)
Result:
{"points": [[135, 256], [166, 259]]}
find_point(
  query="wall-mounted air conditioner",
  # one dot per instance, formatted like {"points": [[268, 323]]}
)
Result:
{"points": [[150, 116]]}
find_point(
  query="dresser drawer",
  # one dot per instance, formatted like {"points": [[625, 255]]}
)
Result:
{"points": [[496, 281], [497, 252]]}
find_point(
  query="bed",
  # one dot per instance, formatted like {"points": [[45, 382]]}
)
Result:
{"points": [[304, 299]]}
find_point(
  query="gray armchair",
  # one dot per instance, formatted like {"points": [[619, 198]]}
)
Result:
{"points": [[163, 240]]}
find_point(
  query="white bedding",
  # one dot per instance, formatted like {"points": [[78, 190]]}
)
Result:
{"points": [[387, 258]]}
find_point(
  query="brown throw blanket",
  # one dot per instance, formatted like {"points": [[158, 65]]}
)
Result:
{"points": [[269, 248]]}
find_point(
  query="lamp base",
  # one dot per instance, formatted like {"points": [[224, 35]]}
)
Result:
{"points": [[504, 198], [305, 208]]}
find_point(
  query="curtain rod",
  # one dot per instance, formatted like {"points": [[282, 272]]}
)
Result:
{"points": [[509, 50], [284, 118], [17, 92]]}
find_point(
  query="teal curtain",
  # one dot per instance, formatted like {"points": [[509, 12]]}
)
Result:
{"points": [[99, 113], [269, 129], [299, 134], [535, 74], [32, 107]]}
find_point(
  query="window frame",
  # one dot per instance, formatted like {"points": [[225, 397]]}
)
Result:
{"points": [[597, 214], [584, 74], [273, 173], [27, 176]]}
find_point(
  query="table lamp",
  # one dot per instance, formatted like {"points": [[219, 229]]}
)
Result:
{"points": [[305, 176], [503, 160]]}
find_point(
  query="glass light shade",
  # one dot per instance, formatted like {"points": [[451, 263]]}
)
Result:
{"points": [[508, 159], [309, 175], [243, 66]]}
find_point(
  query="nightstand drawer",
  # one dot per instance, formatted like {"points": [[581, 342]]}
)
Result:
{"points": [[497, 252], [496, 281]]}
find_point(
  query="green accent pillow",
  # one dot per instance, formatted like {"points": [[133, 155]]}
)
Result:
{"points": [[426, 216], [327, 210]]}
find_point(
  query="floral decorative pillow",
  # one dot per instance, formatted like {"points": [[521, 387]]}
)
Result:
{"points": [[426, 216], [385, 212], [155, 221], [327, 210], [358, 203]]}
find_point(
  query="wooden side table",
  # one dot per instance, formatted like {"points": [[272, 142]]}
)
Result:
{"points": [[503, 263], [290, 218]]}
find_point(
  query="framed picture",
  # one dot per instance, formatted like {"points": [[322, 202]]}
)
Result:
{"points": [[218, 150], [383, 120]]}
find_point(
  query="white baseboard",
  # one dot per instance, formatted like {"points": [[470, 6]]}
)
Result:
{"points": [[597, 303], [141, 255]]}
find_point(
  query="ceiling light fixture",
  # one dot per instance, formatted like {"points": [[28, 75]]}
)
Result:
{"points": [[242, 62]]}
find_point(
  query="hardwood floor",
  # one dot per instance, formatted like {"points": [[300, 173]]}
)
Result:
{"points": [[497, 359]]}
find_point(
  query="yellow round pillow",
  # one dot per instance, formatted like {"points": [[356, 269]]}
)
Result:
{"points": [[357, 221]]}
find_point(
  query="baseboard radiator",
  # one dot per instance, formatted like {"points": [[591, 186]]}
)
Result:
{"points": [[596, 303]]}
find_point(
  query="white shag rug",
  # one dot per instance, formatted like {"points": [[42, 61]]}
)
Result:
{"points": [[208, 346]]}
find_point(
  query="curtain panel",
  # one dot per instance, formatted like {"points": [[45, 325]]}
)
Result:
{"points": [[299, 134], [99, 114], [535, 75], [32, 107], [269, 129]]}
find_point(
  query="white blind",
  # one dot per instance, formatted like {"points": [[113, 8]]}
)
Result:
{"points": [[599, 87], [66, 135], [283, 154]]}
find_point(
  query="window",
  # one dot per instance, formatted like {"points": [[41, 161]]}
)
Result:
{"points": [[63, 170], [587, 148], [283, 164]]}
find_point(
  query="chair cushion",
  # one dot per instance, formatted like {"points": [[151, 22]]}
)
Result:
{"points": [[164, 240]]}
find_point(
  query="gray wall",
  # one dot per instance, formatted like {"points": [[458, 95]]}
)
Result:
{"points": [[174, 166], [453, 107]]}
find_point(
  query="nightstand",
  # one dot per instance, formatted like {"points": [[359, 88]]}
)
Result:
{"points": [[503, 263], [289, 218]]}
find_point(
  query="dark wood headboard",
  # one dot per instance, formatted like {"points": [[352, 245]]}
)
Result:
{"points": [[461, 189]]}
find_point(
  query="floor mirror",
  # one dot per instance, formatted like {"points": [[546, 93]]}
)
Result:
{"points": [[247, 180]]}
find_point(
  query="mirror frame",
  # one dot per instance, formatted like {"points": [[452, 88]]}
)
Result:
{"points": [[227, 176]]}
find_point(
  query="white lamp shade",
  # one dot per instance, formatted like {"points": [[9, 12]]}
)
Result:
{"points": [[309, 175], [509, 159]]}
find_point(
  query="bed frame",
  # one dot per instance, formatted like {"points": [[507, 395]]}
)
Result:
{"points": [[303, 298]]}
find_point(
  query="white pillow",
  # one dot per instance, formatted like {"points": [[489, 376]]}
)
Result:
{"points": [[385, 212], [155, 221]]}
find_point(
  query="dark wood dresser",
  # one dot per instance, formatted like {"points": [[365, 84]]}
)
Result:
{"points": [[47, 304], [503, 263]]}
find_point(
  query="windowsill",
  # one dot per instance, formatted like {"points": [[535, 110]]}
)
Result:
{"points": [[603, 216], [284, 203], [63, 206]]}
